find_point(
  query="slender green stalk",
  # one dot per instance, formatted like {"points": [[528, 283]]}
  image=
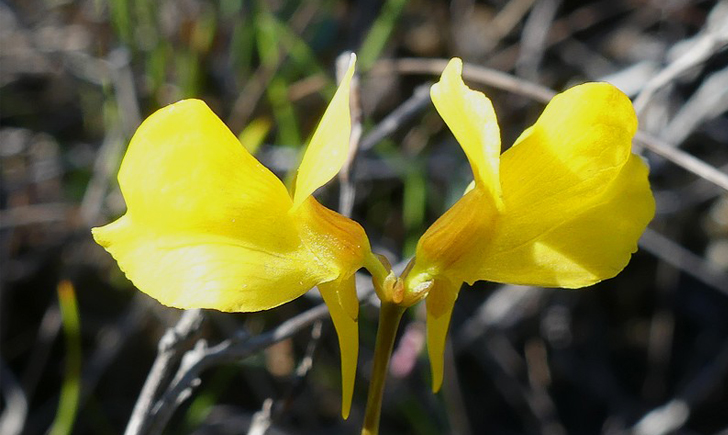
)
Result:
{"points": [[71, 388], [389, 317], [379, 33]]}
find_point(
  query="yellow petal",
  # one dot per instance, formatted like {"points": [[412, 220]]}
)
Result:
{"points": [[458, 236], [440, 303], [198, 270], [574, 151], [342, 246], [576, 199], [575, 202], [184, 168], [329, 146], [472, 120], [207, 225], [340, 297], [576, 244], [336, 241]]}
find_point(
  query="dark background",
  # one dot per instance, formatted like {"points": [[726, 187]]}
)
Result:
{"points": [[643, 353]]}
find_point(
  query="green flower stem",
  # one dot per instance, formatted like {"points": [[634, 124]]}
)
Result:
{"points": [[378, 270], [389, 316]]}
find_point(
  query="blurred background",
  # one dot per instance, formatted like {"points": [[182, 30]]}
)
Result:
{"points": [[643, 353]]}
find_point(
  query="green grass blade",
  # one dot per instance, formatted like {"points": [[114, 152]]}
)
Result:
{"points": [[379, 33], [268, 39], [71, 388]]}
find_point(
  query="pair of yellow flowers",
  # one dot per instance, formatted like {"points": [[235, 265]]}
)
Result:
{"points": [[208, 226]]}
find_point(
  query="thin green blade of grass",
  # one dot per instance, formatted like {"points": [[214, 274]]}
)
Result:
{"points": [[304, 57], [242, 47], [156, 63], [268, 41], [189, 61], [71, 387], [230, 8], [379, 34], [187, 67], [203, 32], [254, 134], [120, 16]]}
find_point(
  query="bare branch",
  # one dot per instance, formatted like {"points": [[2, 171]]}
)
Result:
{"points": [[15, 413], [534, 37], [167, 354], [255, 87], [683, 159], [708, 102], [543, 94], [117, 68], [392, 122], [478, 74], [234, 349], [34, 214], [713, 38], [261, 419], [679, 257]]}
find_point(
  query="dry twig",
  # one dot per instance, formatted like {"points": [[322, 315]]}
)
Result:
{"points": [[543, 94], [167, 354]]}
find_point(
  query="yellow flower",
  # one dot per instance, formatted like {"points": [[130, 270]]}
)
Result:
{"points": [[563, 207], [208, 226]]}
